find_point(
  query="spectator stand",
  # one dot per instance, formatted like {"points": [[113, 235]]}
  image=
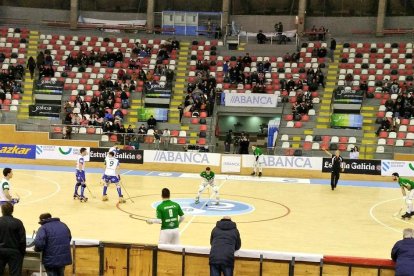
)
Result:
{"points": [[195, 91], [106, 75], [385, 72], [13, 48]]}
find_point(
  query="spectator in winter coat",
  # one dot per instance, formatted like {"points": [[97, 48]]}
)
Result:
{"points": [[403, 254], [224, 240], [53, 240], [12, 241]]}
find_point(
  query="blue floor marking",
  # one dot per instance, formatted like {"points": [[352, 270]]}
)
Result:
{"points": [[378, 184]]}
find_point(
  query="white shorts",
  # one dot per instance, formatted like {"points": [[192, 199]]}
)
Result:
{"points": [[410, 194], [260, 160], [206, 183], [169, 236]]}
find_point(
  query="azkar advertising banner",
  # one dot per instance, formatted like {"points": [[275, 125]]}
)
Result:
{"points": [[18, 151]]}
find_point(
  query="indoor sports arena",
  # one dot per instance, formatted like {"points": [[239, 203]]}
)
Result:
{"points": [[294, 119]]}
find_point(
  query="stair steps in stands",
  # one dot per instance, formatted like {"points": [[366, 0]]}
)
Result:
{"points": [[369, 140], [323, 118], [180, 83], [27, 98], [135, 103]]}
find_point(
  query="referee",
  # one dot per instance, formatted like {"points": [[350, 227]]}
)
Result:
{"points": [[336, 162]]}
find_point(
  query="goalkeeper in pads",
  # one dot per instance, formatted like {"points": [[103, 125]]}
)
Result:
{"points": [[407, 189], [169, 215], [208, 180], [258, 161]]}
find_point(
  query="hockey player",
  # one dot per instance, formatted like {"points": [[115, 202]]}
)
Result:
{"points": [[80, 176], [208, 180], [169, 215], [407, 189], [111, 175], [258, 161], [5, 187]]}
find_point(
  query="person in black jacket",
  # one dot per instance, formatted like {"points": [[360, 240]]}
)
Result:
{"points": [[53, 240], [336, 162], [403, 254], [12, 241], [224, 240]]}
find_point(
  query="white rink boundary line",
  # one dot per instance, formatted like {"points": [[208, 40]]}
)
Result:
{"points": [[57, 185], [371, 213]]}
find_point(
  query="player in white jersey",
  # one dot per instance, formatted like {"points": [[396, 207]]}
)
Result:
{"points": [[111, 175], [5, 194], [80, 176]]}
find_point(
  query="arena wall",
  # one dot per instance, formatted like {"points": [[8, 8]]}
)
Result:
{"points": [[9, 134]]}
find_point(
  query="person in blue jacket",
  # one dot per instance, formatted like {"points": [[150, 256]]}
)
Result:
{"points": [[403, 254], [53, 240]]}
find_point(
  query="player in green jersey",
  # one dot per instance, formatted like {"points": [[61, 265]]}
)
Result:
{"points": [[5, 188], [407, 189], [258, 161], [169, 215], [208, 180]]}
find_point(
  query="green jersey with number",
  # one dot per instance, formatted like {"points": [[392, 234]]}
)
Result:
{"points": [[168, 212], [257, 151], [4, 185], [207, 176], [404, 181]]}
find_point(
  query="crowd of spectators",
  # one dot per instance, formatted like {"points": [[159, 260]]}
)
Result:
{"points": [[11, 81], [107, 108]]}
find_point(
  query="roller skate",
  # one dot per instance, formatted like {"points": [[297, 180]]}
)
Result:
{"points": [[83, 199], [253, 174], [104, 198], [406, 216], [197, 200], [121, 199], [76, 196], [260, 174]]}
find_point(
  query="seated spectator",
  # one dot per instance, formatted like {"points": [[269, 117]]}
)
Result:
{"points": [[363, 86], [108, 116], [287, 57], [247, 60], [67, 132], [108, 127], [349, 78], [394, 89], [261, 37], [385, 125]]}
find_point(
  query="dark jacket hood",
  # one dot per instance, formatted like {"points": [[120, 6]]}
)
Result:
{"points": [[226, 224]]}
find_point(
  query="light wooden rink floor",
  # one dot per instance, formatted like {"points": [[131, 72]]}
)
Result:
{"points": [[350, 221]]}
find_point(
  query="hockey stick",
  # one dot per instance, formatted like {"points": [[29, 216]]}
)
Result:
{"points": [[90, 192], [126, 191]]}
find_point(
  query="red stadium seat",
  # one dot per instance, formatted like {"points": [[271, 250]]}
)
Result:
{"points": [[113, 138], [203, 127]]}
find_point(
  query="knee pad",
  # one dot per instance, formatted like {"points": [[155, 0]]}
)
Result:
{"points": [[83, 185], [215, 189], [201, 188], [78, 184]]}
